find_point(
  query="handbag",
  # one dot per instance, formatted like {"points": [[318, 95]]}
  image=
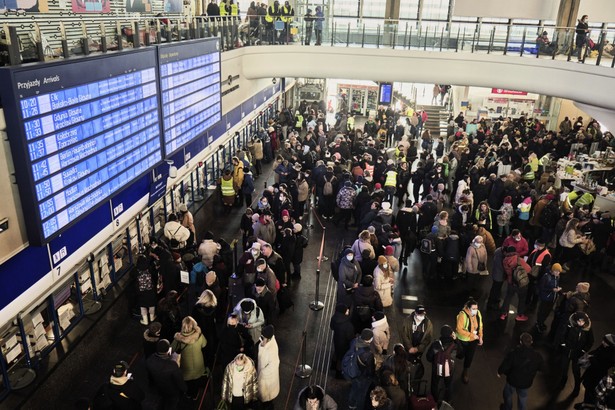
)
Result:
{"points": [[481, 265]]}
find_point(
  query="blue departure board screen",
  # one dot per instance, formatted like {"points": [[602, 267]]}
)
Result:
{"points": [[80, 131], [190, 90]]}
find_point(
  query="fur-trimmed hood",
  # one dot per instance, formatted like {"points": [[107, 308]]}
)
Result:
{"points": [[188, 338]]}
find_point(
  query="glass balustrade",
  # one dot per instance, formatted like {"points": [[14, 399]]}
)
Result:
{"points": [[492, 36]]}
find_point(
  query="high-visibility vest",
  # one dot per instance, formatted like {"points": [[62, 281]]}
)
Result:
{"points": [[227, 187], [299, 121], [391, 179], [287, 14], [223, 11], [271, 14], [234, 10], [350, 124]]}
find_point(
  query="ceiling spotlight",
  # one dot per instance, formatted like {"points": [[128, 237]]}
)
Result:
{"points": [[274, 80]]}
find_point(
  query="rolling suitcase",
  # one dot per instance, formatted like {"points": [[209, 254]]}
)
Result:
{"points": [[420, 399]]}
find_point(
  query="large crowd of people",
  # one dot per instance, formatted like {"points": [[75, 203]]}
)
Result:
{"points": [[482, 205]]}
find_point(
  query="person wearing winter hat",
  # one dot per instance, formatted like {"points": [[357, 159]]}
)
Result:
{"points": [[265, 300], [150, 338], [365, 301], [384, 281], [121, 389], [548, 291], [250, 316], [349, 276], [362, 344], [577, 301], [441, 354], [417, 334], [268, 368], [601, 360], [165, 375], [301, 242], [574, 339]]}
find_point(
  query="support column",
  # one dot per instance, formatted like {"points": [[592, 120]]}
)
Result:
{"points": [[566, 17]]}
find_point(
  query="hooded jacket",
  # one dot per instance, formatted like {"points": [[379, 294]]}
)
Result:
{"points": [[327, 403], [510, 263], [425, 328], [256, 318], [520, 366], [268, 371], [343, 333], [190, 346], [382, 335], [383, 286], [577, 340], [349, 274], [165, 375]]}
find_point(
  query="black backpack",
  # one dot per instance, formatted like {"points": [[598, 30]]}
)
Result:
{"points": [[549, 216]]}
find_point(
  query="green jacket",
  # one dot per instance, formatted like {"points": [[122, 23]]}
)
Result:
{"points": [[190, 346]]}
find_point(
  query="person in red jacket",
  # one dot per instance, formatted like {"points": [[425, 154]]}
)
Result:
{"points": [[511, 260], [517, 241]]}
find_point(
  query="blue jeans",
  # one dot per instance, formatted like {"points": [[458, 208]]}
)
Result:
{"points": [[508, 397]]}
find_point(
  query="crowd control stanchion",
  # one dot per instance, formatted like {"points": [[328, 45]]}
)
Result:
{"points": [[303, 370], [317, 304]]}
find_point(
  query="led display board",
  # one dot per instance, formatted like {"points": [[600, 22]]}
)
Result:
{"points": [[190, 90], [385, 95], [80, 131]]}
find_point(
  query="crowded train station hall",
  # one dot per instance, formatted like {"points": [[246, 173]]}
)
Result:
{"points": [[307, 205]]}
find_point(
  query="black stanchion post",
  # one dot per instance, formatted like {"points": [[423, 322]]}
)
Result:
{"points": [[303, 370], [317, 304]]}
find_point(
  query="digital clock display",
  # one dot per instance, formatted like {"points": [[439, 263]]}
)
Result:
{"points": [[80, 131], [190, 91]]}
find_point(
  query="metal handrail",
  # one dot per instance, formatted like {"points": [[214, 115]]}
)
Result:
{"points": [[87, 32]]}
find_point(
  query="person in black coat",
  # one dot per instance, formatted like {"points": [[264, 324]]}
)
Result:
{"points": [[520, 367], [406, 223], [150, 338], [394, 391], [576, 339], [204, 312], [343, 333], [301, 242], [121, 392], [428, 212], [264, 299], [447, 343], [601, 360], [365, 301], [236, 339], [165, 376]]}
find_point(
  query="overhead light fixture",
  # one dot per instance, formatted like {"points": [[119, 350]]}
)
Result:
{"points": [[274, 80], [172, 168]]}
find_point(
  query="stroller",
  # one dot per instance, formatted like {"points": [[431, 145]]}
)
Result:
{"points": [[249, 34]]}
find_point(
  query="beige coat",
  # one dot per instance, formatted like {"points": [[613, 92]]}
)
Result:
{"points": [[383, 286], [268, 371], [473, 257]]}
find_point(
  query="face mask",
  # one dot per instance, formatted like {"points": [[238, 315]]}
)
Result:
{"points": [[420, 317], [517, 239], [254, 253], [385, 266], [349, 257], [259, 270], [264, 203], [474, 312], [282, 198], [476, 245]]}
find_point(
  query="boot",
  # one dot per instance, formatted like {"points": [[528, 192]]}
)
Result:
{"points": [[465, 376], [144, 318]]}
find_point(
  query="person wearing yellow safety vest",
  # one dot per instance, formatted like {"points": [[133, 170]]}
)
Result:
{"points": [[469, 332], [288, 12], [228, 191], [390, 182], [350, 123], [274, 13], [224, 10], [233, 9], [298, 121]]}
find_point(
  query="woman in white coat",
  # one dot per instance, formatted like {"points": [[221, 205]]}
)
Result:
{"points": [[384, 281], [268, 368]]}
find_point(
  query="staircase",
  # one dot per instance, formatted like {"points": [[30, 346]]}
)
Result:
{"points": [[436, 119]]}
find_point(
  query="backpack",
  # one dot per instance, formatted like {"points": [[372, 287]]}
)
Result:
{"points": [[350, 363], [549, 216], [519, 275], [328, 188], [443, 360], [426, 246], [364, 313], [144, 281]]}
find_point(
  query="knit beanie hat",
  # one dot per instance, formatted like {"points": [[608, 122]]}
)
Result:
{"points": [[556, 267], [388, 250], [446, 331], [583, 287]]}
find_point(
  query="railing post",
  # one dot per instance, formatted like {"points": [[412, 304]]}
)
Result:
{"points": [[410, 39], [394, 36], [425, 42], [491, 38], [457, 44], [508, 28], [378, 37], [348, 35], [464, 39], [601, 42], [303, 370], [523, 41], [405, 35], [441, 38], [571, 48], [363, 37], [333, 34]]}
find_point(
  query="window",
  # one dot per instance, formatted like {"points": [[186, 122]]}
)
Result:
{"points": [[409, 9], [435, 9], [374, 8], [347, 8]]}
